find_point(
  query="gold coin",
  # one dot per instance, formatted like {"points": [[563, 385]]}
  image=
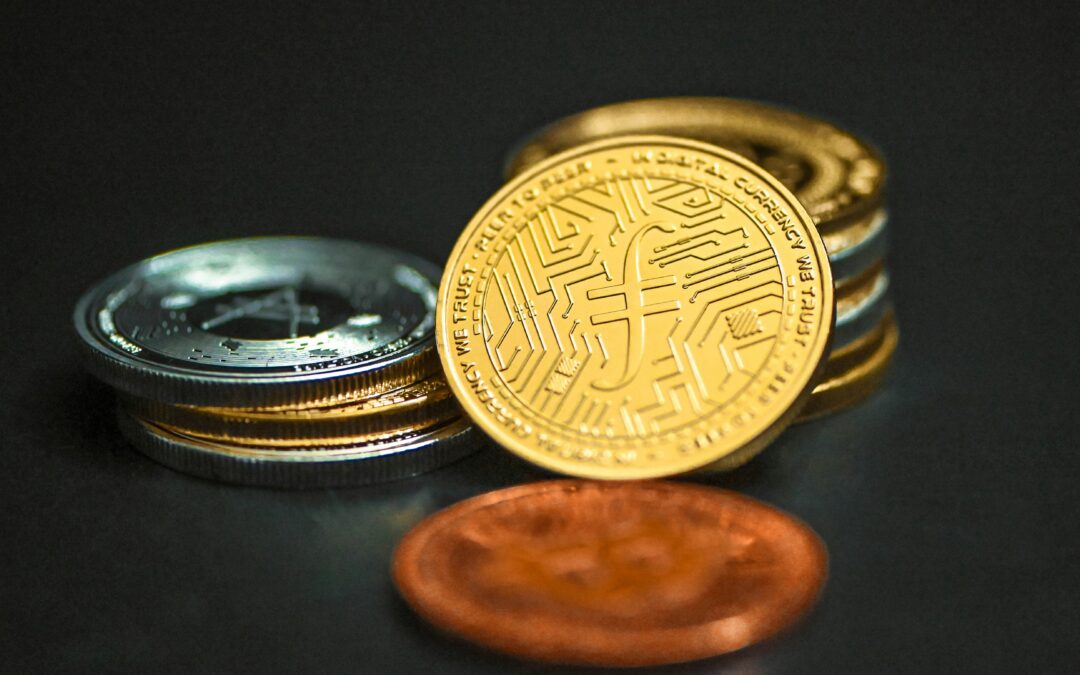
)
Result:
{"points": [[339, 463], [636, 307], [854, 373], [418, 404], [837, 176], [283, 446]]}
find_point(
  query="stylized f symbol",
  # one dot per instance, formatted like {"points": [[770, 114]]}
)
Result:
{"points": [[632, 289]]}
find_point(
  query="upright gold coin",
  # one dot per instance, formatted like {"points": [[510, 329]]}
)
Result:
{"points": [[837, 176], [636, 307]]}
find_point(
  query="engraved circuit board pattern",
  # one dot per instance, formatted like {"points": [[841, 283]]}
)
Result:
{"points": [[627, 285]]}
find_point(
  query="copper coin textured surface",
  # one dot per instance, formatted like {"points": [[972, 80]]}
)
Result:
{"points": [[634, 308], [611, 574], [837, 176]]}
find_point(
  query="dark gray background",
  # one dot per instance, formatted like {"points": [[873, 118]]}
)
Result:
{"points": [[947, 502]]}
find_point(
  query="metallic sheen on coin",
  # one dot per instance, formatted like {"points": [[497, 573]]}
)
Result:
{"points": [[859, 308], [418, 404], [837, 176], [637, 307], [855, 371], [346, 465], [857, 247], [281, 321], [611, 574]]}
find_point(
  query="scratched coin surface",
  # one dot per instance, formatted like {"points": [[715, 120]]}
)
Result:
{"points": [[837, 176], [274, 321], [611, 574], [634, 308]]}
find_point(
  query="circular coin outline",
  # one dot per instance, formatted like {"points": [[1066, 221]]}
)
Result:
{"points": [[595, 643], [111, 357], [737, 444], [824, 145]]}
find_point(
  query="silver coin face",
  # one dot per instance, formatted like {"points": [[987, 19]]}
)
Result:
{"points": [[260, 309]]}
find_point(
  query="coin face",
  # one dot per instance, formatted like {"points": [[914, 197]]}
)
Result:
{"points": [[636, 307], [611, 574], [834, 174], [260, 321]]}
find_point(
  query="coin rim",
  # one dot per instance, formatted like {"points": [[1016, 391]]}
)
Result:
{"points": [[850, 388], [863, 315], [808, 375], [174, 384], [848, 262], [298, 427], [539, 139], [303, 469]]}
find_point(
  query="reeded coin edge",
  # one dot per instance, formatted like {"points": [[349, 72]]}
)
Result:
{"points": [[854, 259], [855, 319], [292, 427], [369, 464], [846, 390], [303, 391]]}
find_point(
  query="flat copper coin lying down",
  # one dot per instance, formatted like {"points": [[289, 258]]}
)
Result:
{"points": [[611, 574]]}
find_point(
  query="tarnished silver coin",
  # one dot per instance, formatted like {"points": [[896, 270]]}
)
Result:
{"points": [[393, 458], [276, 321]]}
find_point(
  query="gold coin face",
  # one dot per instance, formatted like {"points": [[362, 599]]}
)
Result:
{"points": [[834, 174], [636, 307]]}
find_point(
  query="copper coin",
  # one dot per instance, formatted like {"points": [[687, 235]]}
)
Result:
{"points": [[611, 574]]}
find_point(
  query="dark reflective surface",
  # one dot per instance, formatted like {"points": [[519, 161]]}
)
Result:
{"points": [[946, 501]]}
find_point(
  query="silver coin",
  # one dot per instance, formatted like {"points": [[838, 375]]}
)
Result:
{"points": [[262, 322], [340, 466], [862, 254], [864, 316]]}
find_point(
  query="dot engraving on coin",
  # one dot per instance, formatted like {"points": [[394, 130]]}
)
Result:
{"points": [[636, 307], [266, 321], [611, 574]]}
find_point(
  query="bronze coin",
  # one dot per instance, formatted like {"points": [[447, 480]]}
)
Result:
{"points": [[611, 574]]}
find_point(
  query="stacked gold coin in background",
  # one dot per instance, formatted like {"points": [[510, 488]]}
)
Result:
{"points": [[840, 180], [305, 362]]}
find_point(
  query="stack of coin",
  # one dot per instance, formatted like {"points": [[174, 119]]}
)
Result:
{"points": [[287, 362], [840, 180]]}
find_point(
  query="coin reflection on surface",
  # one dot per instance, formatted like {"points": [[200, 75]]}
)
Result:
{"points": [[611, 574]]}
